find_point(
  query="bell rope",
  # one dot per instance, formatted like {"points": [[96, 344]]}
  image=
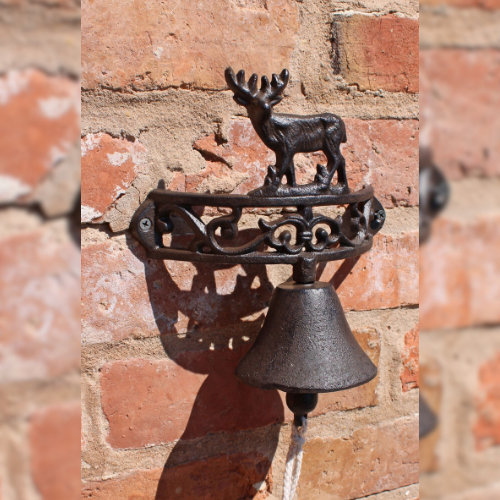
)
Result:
{"points": [[294, 460]]}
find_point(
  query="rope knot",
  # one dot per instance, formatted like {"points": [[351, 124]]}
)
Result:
{"points": [[298, 433]]}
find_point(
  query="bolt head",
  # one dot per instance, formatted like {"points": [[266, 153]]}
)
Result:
{"points": [[145, 224]]}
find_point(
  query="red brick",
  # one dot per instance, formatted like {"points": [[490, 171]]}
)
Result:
{"points": [[459, 267], [225, 477], [109, 166], [383, 153], [481, 4], [55, 451], [39, 306], [40, 122], [370, 460], [183, 297], [410, 370], [458, 103], [377, 52], [158, 401], [487, 426], [183, 44], [385, 277]]}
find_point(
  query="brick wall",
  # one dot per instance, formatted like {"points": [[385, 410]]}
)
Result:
{"points": [[39, 254], [163, 415], [459, 291]]}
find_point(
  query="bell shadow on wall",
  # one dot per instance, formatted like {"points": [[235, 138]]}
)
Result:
{"points": [[223, 404]]}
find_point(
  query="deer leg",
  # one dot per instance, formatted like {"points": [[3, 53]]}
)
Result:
{"points": [[290, 173], [285, 167], [336, 163]]}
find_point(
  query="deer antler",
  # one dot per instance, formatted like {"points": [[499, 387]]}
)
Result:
{"points": [[244, 91], [240, 88], [278, 84]]}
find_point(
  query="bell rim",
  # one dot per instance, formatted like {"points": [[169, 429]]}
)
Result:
{"points": [[296, 390]]}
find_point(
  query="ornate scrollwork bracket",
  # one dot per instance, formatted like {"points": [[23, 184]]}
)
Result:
{"points": [[293, 232]]}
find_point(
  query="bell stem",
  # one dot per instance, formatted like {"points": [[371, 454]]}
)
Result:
{"points": [[304, 271]]}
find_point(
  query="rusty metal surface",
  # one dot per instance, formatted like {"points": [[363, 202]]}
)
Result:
{"points": [[287, 135], [302, 232], [316, 236], [306, 344]]}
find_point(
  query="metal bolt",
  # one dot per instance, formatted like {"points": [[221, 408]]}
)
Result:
{"points": [[145, 224]]}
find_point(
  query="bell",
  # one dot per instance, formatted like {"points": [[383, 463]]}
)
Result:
{"points": [[305, 345]]}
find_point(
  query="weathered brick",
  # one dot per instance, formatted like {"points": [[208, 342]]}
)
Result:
{"points": [[225, 477], [487, 426], [385, 277], [410, 367], [217, 177], [244, 152], [183, 44], [481, 4], [167, 297], [158, 401], [377, 52], [383, 153], [370, 460], [55, 451], [40, 122], [459, 267], [458, 103], [109, 166], [431, 387], [39, 305]]}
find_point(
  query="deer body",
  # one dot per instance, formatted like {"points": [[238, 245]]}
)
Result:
{"points": [[287, 135]]}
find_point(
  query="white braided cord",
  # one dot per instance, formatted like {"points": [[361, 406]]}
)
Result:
{"points": [[294, 460]]}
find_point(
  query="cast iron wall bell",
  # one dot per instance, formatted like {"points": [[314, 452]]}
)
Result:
{"points": [[305, 346]]}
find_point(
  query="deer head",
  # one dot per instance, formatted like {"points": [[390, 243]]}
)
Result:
{"points": [[259, 102]]}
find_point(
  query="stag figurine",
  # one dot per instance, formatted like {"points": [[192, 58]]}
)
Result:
{"points": [[287, 135]]}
